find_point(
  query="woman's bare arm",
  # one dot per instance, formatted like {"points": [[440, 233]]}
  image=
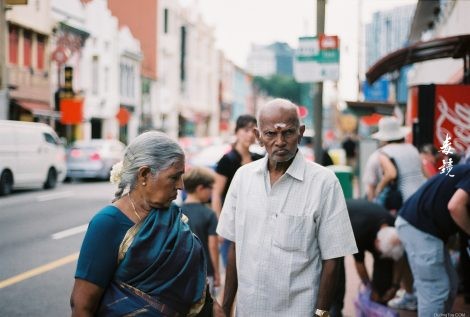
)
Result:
{"points": [[85, 298]]}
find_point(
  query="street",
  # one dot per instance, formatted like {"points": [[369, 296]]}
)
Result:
{"points": [[41, 234], [42, 231]]}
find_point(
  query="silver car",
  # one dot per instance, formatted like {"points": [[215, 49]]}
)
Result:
{"points": [[93, 158]]}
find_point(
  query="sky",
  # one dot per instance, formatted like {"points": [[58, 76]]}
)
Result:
{"points": [[240, 23]]}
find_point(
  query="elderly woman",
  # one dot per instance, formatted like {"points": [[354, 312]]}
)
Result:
{"points": [[139, 256]]}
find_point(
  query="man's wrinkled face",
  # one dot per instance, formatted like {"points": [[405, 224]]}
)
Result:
{"points": [[280, 134]]}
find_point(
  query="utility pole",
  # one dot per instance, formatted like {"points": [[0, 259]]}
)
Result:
{"points": [[3, 63], [318, 91]]}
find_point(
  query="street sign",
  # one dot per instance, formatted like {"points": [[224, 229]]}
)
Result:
{"points": [[317, 59], [378, 91]]}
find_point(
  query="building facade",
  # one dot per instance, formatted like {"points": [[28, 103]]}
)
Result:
{"points": [[267, 60], [130, 57], [387, 32], [27, 59]]}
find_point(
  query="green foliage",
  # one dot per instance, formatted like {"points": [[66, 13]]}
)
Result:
{"points": [[279, 86]]}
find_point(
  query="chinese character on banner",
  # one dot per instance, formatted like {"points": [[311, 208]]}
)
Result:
{"points": [[446, 149]]}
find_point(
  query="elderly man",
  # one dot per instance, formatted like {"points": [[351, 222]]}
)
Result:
{"points": [[289, 222], [435, 212]]}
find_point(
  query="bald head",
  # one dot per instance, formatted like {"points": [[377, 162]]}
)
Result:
{"points": [[284, 110]]}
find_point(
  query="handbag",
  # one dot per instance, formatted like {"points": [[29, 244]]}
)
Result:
{"points": [[365, 307], [393, 198]]}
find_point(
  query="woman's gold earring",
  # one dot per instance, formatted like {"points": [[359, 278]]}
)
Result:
{"points": [[144, 183]]}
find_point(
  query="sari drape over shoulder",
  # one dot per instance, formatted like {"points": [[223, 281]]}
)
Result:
{"points": [[162, 271]]}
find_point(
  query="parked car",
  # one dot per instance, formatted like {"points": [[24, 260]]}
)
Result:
{"points": [[93, 158], [31, 155]]}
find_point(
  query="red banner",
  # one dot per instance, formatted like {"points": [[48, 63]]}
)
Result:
{"points": [[452, 116], [123, 116], [71, 111]]}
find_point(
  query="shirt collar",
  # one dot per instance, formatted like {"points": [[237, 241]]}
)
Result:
{"points": [[296, 169]]}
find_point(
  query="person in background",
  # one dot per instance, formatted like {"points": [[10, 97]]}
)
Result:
{"points": [[435, 212], [374, 232], [229, 164], [407, 167], [350, 145], [288, 220], [198, 183], [429, 156], [372, 175], [138, 255]]}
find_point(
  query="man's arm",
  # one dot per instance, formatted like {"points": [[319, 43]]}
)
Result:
{"points": [[217, 191], [231, 281], [328, 278], [362, 272], [214, 255], [458, 208]]}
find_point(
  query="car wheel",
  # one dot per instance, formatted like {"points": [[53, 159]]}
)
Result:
{"points": [[6, 183], [51, 180]]}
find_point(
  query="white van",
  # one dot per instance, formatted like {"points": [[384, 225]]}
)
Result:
{"points": [[31, 155]]}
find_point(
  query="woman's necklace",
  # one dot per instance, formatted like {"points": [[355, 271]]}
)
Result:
{"points": [[133, 206]]}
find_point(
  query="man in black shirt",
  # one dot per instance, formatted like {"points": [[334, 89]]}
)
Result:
{"points": [[374, 232]]}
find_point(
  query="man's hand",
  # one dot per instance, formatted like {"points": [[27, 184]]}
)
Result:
{"points": [[374, 296], [217, 310], [389, 294], [216, 279]]}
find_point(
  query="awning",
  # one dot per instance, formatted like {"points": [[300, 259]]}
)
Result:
{"points": [[365, 108], [38, 108], [454, 46]]}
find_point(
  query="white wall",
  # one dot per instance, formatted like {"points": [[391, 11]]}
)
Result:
{"points": [[102, 43], [131, 56], [35, 15], [440, 71]]}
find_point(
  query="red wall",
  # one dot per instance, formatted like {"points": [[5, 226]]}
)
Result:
{"points": [[141, 18]]}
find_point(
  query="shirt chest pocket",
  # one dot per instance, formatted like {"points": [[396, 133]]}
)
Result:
{"points": [[293, 233]]}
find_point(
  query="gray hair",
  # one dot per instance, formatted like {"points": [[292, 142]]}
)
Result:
{"points": [[389, 244], [153, 149]]}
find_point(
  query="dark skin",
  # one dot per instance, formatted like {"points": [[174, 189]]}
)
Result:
{"points": [[231, 281], [280, 133]]}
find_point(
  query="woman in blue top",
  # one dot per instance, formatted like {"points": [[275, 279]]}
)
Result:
{"points": [[139, 256]]}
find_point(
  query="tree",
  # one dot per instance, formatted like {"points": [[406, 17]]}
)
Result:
{"points": [[279, 86]]}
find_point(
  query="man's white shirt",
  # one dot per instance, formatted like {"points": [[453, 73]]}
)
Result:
{"points": [[282, 233]]}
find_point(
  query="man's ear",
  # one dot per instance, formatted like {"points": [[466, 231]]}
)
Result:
{"points": [[301, 133], [258, 136]]}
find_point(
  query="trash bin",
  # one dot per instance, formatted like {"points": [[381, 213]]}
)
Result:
{"points": [[345, 176]]}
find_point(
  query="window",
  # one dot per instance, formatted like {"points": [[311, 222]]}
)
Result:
{"points": [[94, 75], [106, 79], [165, 21], [40, 51], [50, 139], [132, 81], [122, 79], [27, 41], [13, 44]]}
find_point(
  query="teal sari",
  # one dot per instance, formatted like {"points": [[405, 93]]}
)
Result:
{"points": [[161, 270]]}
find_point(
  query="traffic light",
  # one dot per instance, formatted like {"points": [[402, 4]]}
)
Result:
{"points": [[67, 91]]}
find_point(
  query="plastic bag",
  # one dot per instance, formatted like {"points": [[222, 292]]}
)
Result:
{"points": [[365, 307]]}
